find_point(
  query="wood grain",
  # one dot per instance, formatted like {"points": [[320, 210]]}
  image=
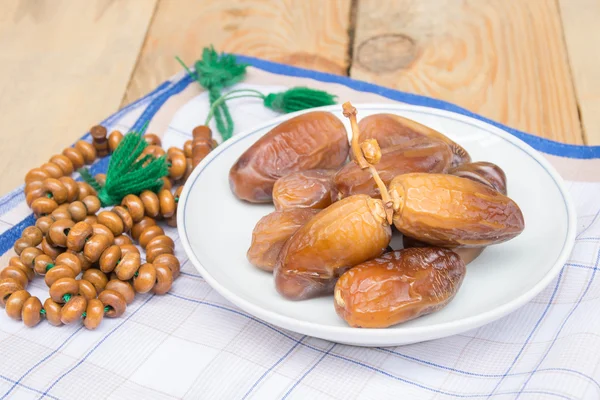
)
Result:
{"points": [[580, 24], [504, 59], [311, 34], [64, 66]]}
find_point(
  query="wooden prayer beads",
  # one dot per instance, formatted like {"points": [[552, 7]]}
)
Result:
{"points": [[72, 236]]}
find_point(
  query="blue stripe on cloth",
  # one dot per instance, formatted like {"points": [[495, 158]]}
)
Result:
{"points": [[587, 288], [43, 360], [25, 386], [541, 144], [45, 393], [537, 324], [355, 362], [308, 372], [283, 357]]}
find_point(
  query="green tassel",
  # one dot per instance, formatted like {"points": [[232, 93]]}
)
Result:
{"points": [[127, 174], [297, 99]]}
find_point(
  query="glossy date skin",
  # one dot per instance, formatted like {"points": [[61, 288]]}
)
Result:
{"points": [[417, 155], [304, 189], [390, 130], [271, 232], [398, 286], [315, 140], [483, 172], [343, 235], [468, 254], [450, 211]]}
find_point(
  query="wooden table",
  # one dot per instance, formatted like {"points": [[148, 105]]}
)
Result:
{"points": [[65, 65]]}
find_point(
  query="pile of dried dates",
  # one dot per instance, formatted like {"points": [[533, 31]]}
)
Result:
{"points": [[338, 203]]}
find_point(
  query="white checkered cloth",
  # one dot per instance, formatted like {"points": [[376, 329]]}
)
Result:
{"points": [[193, 344]]}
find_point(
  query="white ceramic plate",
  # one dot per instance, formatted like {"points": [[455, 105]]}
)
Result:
{"points": [[216, 229]]}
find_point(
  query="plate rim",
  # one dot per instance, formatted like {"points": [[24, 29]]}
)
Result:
{"points": [[378, 336]]}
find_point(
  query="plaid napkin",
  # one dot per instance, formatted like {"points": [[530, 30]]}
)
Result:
{"points": [[193, 344]]}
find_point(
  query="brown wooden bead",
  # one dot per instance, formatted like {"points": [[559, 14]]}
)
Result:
{"points": [[101, 179], [87, 290], [43, 206], [164, 279], [187, 149], [91, 219], [87, 150], [29, 254], [134, 205], [122, 287], [59, 231], [146, 278], [33, 235], [167, 184], [95, 246], [100, 229], [92, 204], [57, 272], [96, 278], [115, 301], [167, 203], [98, 132], [75, 156], [154, 251], [72, 188], [129, 248], [77, 210], [52, 309], [161, 240], [64, 163], [139, 227], [14, 304], [70, 260], [34, 185], [63, 286], [78, 235], [35, 192], [30, 314], [151, 203], [170, 261], [201, 143], [41, 262], [100, 142], [52, 169], [61, 212], [110, 258], [72, 311], [21, 244], [177, 166], [124, 216], [189, 167], [122, 240], [152, 139], [150, 233], [7, 287], [85, 190], [43, 224], [16, 262], [55, 190], [128, 266], [50, 250], [15, 273], [94, 314], [153, 150], [114, 139], [36, 174]]}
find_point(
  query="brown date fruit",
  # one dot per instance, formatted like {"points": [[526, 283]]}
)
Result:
{"points": [[304, 189], [484, 172], [390, 130], [398, 286], [315, 140], [468, 254], [345, 234], [450, 211], [272, 231], [417, 155]]}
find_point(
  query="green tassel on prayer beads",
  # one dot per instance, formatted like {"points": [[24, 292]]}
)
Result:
{"points": [[127, 173], [297, 99]]}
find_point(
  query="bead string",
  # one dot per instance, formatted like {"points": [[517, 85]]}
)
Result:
{"points": [[73, 235]]}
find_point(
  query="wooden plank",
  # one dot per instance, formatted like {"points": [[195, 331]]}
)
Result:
{"points": [[580, 24], [504, 59], [64, 66], [310, 33]]}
